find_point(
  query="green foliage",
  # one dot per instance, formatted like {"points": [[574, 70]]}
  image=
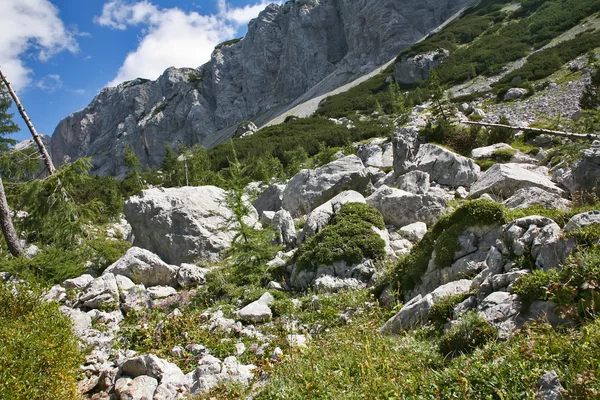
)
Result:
{"points": [[132, 183], [458, 138], [500, 135], [485, 164], [503, 155], [195, 78], [468, 334], [227, 43], [7, 124], [442, 237], [39, 356], [348, 237], [442, 311], [566, 153], [534, 286], [59, 206]]}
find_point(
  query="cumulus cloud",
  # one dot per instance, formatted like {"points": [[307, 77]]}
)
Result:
{"points": [[172, 37], [30, 28], [50, 83]]}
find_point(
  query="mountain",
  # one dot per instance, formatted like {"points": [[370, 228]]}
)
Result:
{"points": [[288, 50]]}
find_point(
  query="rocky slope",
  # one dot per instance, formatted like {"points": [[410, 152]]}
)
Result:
{"points": [[287, 51]]}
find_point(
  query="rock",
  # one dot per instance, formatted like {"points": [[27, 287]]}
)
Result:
{"points": [[402, 208], [549, 387], [488, 151], [334, 284], [515, 93], [469, 304], [406, 142], [544, 311], [102, 292], [80, 282], [144, 267], [414, 232], [135, 299], [285, 229], [151, 365], [501, 281], [266, 218], [297, 340], [56, 293], [549, 248], [416, 310], [500, 309], [530, 196], [269, 199], [139, 388], [191, 275], [256, 311], [81, 321], [275, 286], [335, 277], [160, 292], [182, 225], [586, 171], [445, 167], [205, 105], [321, 216], [376, 153], [410, 70], [582, 220], [124, 283], [245, 129], [416, 182], [311, 188], [211, 371], [506, 179]]}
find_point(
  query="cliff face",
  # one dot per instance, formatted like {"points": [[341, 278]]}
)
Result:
{"points": [[288, 50]]}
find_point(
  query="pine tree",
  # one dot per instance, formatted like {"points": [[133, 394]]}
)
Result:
{"points": [[440, 107], [590, 98], [7, 126]]}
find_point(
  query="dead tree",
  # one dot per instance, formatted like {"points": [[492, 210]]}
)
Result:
{"points": [[12, 240], [539, 131], [36, 137]]}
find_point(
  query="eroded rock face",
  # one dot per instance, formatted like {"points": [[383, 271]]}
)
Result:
{"points": [[288, 49], [182, 225], [412, 69]]}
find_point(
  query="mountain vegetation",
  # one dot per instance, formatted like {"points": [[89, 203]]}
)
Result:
{"points": [[436, 260]]}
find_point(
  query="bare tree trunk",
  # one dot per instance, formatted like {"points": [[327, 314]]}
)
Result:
{"points": [[539, 131], [36, 137], [12, 240]]}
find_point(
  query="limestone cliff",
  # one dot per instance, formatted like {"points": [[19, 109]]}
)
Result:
{"points": [[288, 50]]}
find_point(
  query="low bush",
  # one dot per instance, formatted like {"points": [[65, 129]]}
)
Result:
{"points": [[534, 286], [348, 237], [468, 334], [442, 311], [503, 155], [39, 355]]}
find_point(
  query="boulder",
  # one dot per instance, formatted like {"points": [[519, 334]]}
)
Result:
{"points": [[81, 282], [335, 277], [586, 171], [102, 292], [139, 388], [257, 311], [211, 371], [515, 93], [417, 182], [270, 199], [500, 309], [284, 229], [582, 220], [410, 70], [321, 216], [505, 180], [406, 142], [191, 275], [311, 188], [151, 365], [160, 292], [144, 267], [136, 298], [445, 167], [549, 248], [548, 387], [413, 232], [377, 153], [182, 224], [530, 196], [401, 208]]}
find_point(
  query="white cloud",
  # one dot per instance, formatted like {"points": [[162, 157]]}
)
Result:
{"points": [[30, 28], [50, 83], [172, 37]]}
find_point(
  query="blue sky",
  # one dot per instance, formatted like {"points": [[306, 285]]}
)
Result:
{"points": [[59, 54]]}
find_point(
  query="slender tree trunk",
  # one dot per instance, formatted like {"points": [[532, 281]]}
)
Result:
{"points": [[12, 240], [538, 131], [36, 137]]}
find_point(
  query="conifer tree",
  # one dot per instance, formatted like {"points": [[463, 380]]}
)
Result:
{"points": [[590, 98]]}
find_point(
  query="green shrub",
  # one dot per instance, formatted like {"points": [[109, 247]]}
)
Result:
{"points": [[348, 237], [407, 272], [485, 164], [39, 355], [468, 334], [534, 286], [500, 135], [442, 311], [503, 155]]}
